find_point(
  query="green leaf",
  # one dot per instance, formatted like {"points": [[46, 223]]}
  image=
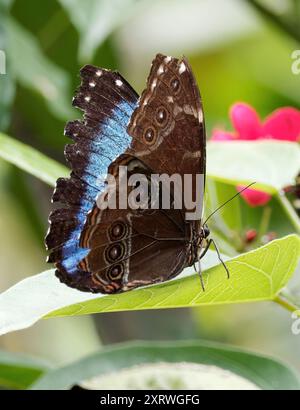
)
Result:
{"points": [[19, 372], [32, 69], [34, 297], [128, 362], [95, 20], [273, 165], [255, 276], [31, 160]]}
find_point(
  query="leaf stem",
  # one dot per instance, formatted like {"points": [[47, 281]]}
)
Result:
{"points": [[265, 221], [284, 300], [289, 210]]}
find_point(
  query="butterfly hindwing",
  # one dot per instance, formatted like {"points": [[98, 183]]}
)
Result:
{"points": [[126, 250]]}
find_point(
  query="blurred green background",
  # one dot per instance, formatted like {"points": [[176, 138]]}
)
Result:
{"points": [[239, 50]]}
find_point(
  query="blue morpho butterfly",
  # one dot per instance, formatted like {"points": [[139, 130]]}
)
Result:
{"points": [[163, 131]]}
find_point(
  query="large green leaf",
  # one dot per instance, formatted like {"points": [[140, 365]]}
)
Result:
{"points": [[31, 160], [264, 372], [273, 165], [36, 296], [255, 276], [19, 372]]}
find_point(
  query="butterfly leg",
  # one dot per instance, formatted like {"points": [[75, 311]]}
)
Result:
{"points": [[209, 242], [200, 274]]}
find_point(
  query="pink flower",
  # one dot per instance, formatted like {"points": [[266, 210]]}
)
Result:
{"points": [[283, 124]]}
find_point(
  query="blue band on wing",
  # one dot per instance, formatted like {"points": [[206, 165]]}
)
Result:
{"points": [[108, 102], [97, 165]]}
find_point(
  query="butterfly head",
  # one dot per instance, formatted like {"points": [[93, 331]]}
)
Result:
{"points": [[198, 241], [201, 238], [205, 232]]}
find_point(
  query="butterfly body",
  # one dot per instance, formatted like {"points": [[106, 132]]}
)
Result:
{"points": [[111, 250]]}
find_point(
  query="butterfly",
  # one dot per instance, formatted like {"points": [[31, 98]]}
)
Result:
{"points": [[161, 132]]}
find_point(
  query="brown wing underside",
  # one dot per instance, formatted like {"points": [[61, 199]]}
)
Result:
{"points": [[131, 248], [168, 128]]}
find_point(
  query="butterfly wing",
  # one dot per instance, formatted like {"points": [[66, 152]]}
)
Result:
{"points": [[168, 136], [168, 125], [130, 249], [108, 102]]}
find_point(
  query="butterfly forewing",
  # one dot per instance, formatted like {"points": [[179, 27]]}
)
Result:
{"points": [[167, 126]]}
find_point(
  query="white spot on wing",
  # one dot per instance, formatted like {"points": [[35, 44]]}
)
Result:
{"points": [[190, 110], [119, 83], [182, 67], [153, 85], [167, 59], [177, 110], [170, 99], [98, 73], [146, 100], [160, 69], [200, 116], [87, 98], [192, 155], [92, 84]]}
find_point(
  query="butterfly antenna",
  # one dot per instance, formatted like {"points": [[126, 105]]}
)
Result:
{"points": [[228, 200]]}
